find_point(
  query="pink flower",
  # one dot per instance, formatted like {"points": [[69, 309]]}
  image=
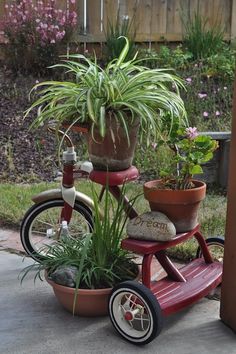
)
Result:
{"points": [[205, 114], [217, 113], [72, 1], [191, 132], [202, 95], [189, 80], [154, 145]]}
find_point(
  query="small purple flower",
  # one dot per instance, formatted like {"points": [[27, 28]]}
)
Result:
{"points": [[189, 80], [205, 114], [191, 132], [202, 95], [217, 113]]}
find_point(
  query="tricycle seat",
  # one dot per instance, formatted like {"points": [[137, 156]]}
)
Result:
{"points": [[115, 178], [151, 247]]}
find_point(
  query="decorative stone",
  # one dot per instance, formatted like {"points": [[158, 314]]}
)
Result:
{"points": [[65, 275], [152, 226]]}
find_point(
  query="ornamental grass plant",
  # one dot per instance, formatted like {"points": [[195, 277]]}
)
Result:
{"points": [[201, 39]]}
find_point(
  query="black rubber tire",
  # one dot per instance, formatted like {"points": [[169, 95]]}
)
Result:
{"points": [[151, 305], [35, 210], [211, 241]]}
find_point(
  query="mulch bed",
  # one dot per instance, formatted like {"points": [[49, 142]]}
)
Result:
{"points": [[25, 155]]}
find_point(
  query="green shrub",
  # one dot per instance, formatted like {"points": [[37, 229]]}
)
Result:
{"points": [[166, 57], [221, 65]]}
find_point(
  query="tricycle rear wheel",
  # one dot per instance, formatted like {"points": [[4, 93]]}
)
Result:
{"points": [[216, 248]]}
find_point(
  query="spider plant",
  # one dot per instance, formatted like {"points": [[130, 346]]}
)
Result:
{"points": [[125, 91]]}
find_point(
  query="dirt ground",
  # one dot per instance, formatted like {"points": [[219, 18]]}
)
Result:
{"points": [[25, 155]]}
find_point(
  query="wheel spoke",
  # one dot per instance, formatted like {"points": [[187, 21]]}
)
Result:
{"points": [[133, 302], [44, 222], [131, 324], [126, 305]]}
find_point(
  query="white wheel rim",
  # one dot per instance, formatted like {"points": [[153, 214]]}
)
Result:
{"points": [[125, 301]]}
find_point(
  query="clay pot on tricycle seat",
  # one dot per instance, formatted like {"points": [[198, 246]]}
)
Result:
{"points": [[113, 152], [181, 206]]}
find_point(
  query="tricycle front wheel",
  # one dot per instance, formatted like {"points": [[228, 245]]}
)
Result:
{"points": [[135, 312]]}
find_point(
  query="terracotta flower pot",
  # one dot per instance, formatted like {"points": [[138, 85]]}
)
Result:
{"points": [[112, 153], [90, 303], [181, 206]]}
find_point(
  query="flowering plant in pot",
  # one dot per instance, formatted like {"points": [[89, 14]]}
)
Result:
{"points": [[114, 102], [83, 270], [177, 194]]}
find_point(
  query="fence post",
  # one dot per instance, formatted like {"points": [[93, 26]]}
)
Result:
{"points": [[228, 294], [233, 21]]}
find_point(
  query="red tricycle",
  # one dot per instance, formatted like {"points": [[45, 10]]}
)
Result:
{"points": [[136, 309]]}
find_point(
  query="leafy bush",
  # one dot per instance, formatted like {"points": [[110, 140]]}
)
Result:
{"points": [[166, 57], [221, 65], [34, 32], [200, 40]]}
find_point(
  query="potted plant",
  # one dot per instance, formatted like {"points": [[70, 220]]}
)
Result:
{"points": [[178, 195], [82, 271], [114, 102]]}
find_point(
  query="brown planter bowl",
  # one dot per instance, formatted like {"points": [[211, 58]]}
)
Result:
{"points": [[181, 206], [89, 303]]}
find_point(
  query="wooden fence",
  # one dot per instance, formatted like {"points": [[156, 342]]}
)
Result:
{"points": [[154, 20]]}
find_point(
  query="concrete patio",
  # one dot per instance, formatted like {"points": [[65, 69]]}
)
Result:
{"points": [[31, 321]]}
